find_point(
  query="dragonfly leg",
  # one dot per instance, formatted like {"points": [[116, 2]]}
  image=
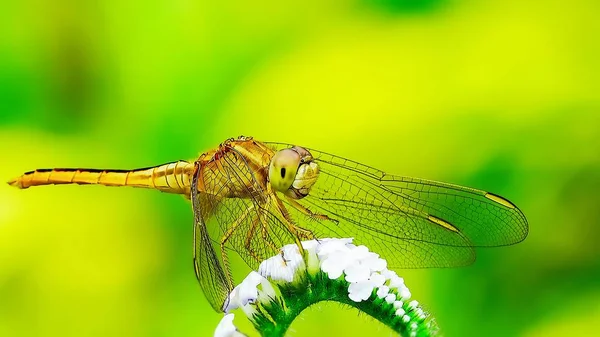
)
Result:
{"points": [[298, 232], [247, 243], [304, 233], [307, 211], [269, 242], [265, 236], [227, 235]]}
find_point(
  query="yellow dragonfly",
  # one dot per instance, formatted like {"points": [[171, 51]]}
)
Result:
{"points": [[254, 197]]}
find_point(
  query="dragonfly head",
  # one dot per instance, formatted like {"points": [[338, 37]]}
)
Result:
{"points": [[293, 172]]}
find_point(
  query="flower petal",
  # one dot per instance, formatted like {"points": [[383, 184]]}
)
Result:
{"points": [[360, 291], [383, 291], [357, 273], [377, 279], [225, 328]]}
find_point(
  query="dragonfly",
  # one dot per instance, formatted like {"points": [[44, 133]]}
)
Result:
{"points": [[252, 198]]}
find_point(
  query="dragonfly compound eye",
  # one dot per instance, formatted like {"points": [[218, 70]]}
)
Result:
{"points": [[293, 172], [283, 168]]}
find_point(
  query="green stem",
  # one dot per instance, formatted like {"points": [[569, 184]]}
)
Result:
{"points": [[275, 318]]}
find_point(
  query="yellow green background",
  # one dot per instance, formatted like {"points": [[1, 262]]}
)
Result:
{"points": [[498, 95]]}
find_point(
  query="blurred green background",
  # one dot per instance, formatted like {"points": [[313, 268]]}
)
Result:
{"points": [[498, 95]]}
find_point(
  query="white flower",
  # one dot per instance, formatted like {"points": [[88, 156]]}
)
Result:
{"points": [[244, 293], [363, 272], [328, 246], [249, 310], [390, 298], [226, 328], [232, 302], [361, 252], [312, 260], [357, 272], [377, 279], [293, 257], [283, 267], [383, 291], [247, 291], [404, 293], [266, 292], [374, 262], [311, 244], [360, 291], [333, 264], [388, 274], [396, 282]]}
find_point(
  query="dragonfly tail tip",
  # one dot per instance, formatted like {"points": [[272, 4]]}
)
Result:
{"points": [[16, 182]]}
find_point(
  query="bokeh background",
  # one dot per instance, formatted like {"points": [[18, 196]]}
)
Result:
{"points": [[501, 95]]}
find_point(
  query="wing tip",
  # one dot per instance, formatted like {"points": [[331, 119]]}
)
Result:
{"points": [[500, 200]]}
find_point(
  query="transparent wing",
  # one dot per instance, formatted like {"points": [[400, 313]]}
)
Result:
{"points": [[250, 225], [254, 227], [411, 222], [401, 250], [255, 232], [214, 280]]}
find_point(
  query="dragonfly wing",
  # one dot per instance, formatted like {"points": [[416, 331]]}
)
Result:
{"points": [[250, 225], [366, 225], [214, 279], [260, 230], [411, 222]]}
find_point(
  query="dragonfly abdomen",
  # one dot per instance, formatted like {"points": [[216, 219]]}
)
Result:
{"points": [[172, 177]]}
